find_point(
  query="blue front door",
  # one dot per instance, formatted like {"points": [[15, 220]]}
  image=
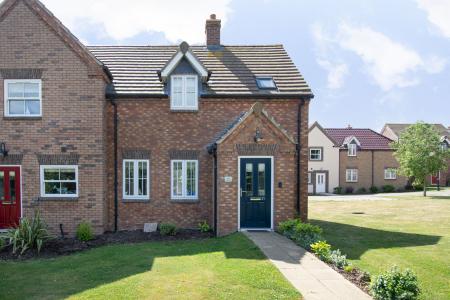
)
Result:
{"points": [[255, 192]]}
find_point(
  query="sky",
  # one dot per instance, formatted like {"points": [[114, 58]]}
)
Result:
{"points": [[367, 62]]}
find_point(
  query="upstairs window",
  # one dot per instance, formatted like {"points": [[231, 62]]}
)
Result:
{"points": [[265, 83], [352, 149], [315, 154], [23, 98], [184, 92]]}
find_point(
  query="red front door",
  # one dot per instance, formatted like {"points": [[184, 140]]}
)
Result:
{"points": [[434, 179], [9, 197]]}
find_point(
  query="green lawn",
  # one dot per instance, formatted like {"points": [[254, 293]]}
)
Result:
{"points": [[410, 232], [223, 268]]}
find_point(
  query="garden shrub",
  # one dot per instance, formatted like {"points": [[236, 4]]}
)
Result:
{"points": [[322, 249], [373, 189], [84, 232], [361, 190], [395, 284], [349, 268], [349, 190], [388, 188], [167, 229], [304, 234], [204, 227], [2, 243], [409, 187], [338, 259], [417, 186], [338, 190], [30, 234]]}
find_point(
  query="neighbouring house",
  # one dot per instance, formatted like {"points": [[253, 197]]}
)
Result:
{"points": [[393, 131], [350, 158], [120, 136]]}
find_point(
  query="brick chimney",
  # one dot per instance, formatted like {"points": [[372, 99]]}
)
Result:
{"points": [[212, 30]]}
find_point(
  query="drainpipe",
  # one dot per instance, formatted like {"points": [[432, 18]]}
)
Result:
{"points": [[213, 150], [373, 171], [116, 182], [299, 126]]}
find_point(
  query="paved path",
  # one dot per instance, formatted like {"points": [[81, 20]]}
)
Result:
{"points": [[380, 196], [313, 278]]}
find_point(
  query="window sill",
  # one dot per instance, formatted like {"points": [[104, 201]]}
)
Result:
{"points": [[184, 110], [181, 200], [22, 118], [57, 199], [131, 200]]}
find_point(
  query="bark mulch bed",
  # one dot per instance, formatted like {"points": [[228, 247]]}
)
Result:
{"points": [[359, 278], [58, 246]]}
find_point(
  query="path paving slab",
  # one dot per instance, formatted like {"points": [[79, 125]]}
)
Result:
{"points": [[313, 278]]}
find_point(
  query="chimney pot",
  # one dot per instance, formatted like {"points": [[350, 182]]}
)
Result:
{"points": [[212, 30]]}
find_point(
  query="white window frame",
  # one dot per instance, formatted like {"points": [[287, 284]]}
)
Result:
{"points": [[6, 97], [390, 173], [136, 179], [184, 80], [352, 148], [309, 178], [42, 181], [184, 195], [351, 175], [320, 154]]}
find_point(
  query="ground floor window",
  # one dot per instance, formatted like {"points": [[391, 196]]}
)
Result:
{"points": [[351, 175], [184, 179], [136, 179], [390, 173], [59, 181], [309, 178]]}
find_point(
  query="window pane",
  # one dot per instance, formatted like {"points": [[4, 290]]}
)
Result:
{"points": [[129, 178], [249, 179], [142, 183], [52, 188], [51, 174], [32, 107], [31, 90], [16, 107], [2, 186], [266, 83], [12, 186], [191, 188], [177, 179], [67, 174], [177, 91], [262, 179], [15, 89], [68, 188], [191, 95]]}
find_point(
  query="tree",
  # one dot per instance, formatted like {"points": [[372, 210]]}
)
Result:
{"points": [[419, 152]]}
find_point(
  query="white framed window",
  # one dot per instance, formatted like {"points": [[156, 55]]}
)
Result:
{"points": [[184, 92], [315, 154], [390, 173], [352, 149], [309, 178], [184, 183], [351, 175], [136, 179], [23, 97], [59, 181]]}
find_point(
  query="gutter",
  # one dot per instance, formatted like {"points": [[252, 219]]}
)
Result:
{"points": [[116, 182]]}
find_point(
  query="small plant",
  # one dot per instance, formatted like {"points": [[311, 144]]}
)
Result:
{"points": [[373, 189], [304, 234], [204, 227], [322, 249], [338, 259], [2, 243], [30, 234], [349, 190], [395, 284], [338, 190], [361, 191], [349, 268], [388, 188], [84, 232], [167, 229]]}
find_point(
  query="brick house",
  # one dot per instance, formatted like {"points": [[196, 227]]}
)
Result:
{"points": [[393, 131], [120, 136], [350, 158]]}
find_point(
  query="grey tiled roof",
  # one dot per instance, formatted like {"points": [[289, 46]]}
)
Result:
{"points": [[233, 69]]}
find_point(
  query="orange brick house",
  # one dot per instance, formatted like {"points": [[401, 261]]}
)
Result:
{"points": [[120, 136]]}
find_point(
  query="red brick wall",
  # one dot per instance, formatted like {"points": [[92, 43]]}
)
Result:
{"points": [[149, 124], [73, 110]]}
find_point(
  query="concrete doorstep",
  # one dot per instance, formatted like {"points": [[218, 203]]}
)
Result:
{"points": [[313, 278]]}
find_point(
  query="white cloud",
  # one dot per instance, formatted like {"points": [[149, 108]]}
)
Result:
{"points": [[336, 73], [435, 64], [178, 19], [438, 12]]}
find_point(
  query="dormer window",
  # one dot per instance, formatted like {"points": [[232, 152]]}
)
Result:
{"points": [[352, 149], [184, 92], [266, 83]]}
